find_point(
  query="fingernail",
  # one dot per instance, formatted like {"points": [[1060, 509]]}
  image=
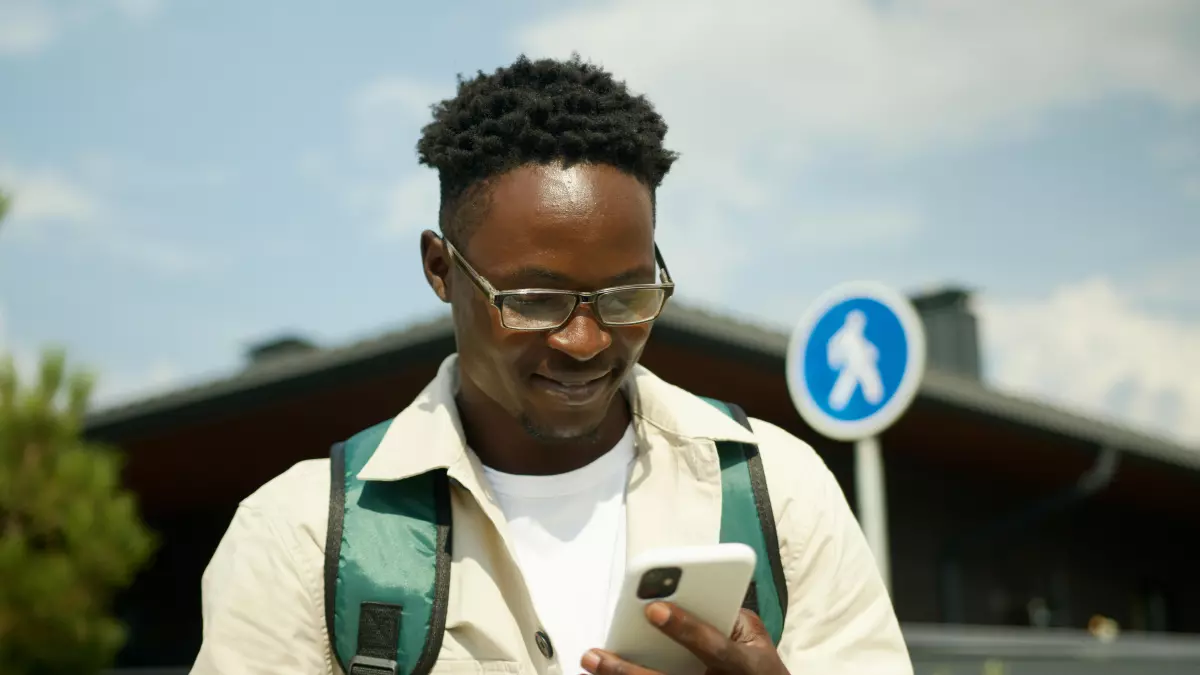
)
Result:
{"points": [[658, 614], [590, 661]]}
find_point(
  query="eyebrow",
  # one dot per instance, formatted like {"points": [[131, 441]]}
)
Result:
{"points": [[544, 274]]}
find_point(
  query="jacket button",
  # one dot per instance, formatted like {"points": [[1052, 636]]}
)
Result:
{"points": [[543, 643]]}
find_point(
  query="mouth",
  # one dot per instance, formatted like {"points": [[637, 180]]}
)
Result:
{"points": [[573, 390]]}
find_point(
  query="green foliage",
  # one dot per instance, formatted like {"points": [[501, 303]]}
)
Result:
{"points": [[70, 535], [5, 201]]}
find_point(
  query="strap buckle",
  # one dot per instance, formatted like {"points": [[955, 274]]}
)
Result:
{"points": [[370, 665]]}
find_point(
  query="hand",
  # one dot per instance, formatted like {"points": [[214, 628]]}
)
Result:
{"points": [[748, 651]]}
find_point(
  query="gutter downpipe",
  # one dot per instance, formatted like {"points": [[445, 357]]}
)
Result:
{"points": [[1095, 479]]}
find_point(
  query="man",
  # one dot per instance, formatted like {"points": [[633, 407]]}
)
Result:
{"points": [[565, 457]]}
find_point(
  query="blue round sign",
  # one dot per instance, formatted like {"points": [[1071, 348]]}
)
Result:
{"points": [[855, 360]]}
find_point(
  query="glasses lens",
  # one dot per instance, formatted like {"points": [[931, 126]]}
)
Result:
{"points": [[536, 311], [630, 305]]}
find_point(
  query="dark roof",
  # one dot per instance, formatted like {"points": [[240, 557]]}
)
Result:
{"points": [[743, 336]]}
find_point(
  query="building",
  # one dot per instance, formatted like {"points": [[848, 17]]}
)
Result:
{"points": [[1004, 511]]}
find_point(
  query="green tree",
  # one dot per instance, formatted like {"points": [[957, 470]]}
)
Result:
{"points": [[4, 203], [70, 535]]}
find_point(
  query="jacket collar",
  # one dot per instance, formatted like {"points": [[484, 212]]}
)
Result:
{"points": [[428, 434]]}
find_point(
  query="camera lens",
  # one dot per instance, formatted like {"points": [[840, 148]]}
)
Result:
{"points": [[659, 582]]}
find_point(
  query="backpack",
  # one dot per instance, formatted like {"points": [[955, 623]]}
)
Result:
{"points": [[385, 606]]}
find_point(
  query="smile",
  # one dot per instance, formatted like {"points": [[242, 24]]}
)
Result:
{"points": [[572, 393]]}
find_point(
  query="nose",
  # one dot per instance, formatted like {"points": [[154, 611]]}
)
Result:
{"points": [[582, 337]]}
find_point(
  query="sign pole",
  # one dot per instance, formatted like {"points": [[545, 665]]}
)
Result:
{"points": [[872, 503]]}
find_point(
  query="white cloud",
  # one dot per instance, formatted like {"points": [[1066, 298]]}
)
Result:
{"points": [[1177, 152], [139, 10], [111, 173], [389, 207], [1181, 154], [1168, 281], [47, 194], [1191, 186], [395, 207], [752, 92], [31, 26], [1088, 345], [396, 94], [153, 254], [755, 93], [26, 26], [388, 113], [781, 79], [112, 387], [703, 254], [707, 256], [47, 201], [411, 203], [855, 228], [395, 195], [117, 387]]}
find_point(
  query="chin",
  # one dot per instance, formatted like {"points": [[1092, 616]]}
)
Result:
{"points": [[561, 431]]}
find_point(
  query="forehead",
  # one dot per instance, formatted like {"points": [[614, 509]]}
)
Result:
{"points": [[586, 219]]}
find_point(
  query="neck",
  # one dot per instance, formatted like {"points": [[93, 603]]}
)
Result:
{"points": [[504, 444]]}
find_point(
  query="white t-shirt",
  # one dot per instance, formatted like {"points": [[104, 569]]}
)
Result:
{"points": [[568, 532]]}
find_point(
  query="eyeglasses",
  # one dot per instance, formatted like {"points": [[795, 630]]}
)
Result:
{"points": [[535, 309]]}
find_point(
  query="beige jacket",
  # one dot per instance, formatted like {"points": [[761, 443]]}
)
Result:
{"points": [[263, 594]]}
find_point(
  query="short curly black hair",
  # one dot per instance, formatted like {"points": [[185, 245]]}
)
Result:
{"points": [[537, 112]]}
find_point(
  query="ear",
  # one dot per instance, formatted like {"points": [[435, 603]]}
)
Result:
{"points": [[435, 260]]}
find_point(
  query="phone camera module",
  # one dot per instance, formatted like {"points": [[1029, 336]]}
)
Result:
{"points": [[659, 582]]}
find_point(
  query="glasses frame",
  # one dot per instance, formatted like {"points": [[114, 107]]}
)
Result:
{"points": [[496, 297]]}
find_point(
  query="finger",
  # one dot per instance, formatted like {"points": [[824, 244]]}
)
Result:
{"points": [[600, 662], [749, 629], [715, 649]]}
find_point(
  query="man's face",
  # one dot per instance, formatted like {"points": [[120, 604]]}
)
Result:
{"points": [[584, 228]]}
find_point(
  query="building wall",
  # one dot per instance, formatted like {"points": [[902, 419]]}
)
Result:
{"points": [[1084, 559], [162, 609]]}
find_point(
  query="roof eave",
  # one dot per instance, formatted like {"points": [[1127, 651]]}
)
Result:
{"points": [[745, 339]]}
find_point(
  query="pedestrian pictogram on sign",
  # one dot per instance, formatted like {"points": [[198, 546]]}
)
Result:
{"points": [[855, 361]]}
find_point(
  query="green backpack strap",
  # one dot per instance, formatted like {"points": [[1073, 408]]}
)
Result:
{"points": [[747, 518], [387, 564]]}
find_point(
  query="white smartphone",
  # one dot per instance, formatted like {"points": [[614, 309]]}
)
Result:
{"points": [[710, 582]]}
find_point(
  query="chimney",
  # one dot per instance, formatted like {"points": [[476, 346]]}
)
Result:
{"points": [[278, 349], [951, 331]]}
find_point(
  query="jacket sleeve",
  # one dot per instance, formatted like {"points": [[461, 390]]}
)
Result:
{"points": [[259, 608], [840, 618]]}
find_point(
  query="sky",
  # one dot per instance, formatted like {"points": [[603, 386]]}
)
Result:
{"points": [[193, 177]]}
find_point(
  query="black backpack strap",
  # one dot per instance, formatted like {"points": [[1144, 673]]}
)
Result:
{"points": [[441, 598], [333, 539], [766, 516], [747, 518]]}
